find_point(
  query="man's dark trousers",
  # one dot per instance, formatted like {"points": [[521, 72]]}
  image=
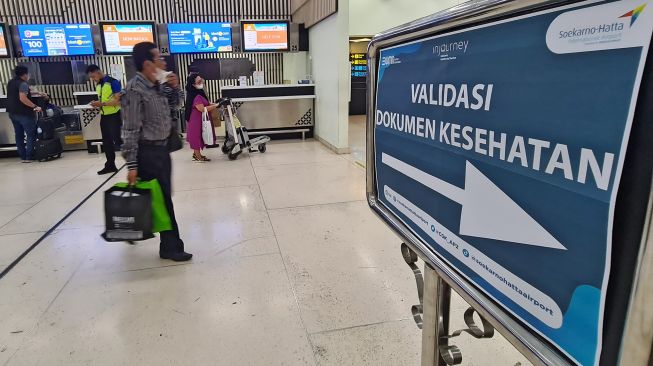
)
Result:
{"points": [[154, 163], [110, 126]]}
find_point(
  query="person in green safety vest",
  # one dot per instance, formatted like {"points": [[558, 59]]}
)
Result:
{"points": [[109, 91]]}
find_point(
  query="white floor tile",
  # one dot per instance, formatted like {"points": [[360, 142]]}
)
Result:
{"points": [[387, 344], [8, 213], [310, 184], [357, 138], [240, 313], [220, 172], [49, 211], [280, 154], [12, 246], [45, 270], [18, 324], [345, 265]]}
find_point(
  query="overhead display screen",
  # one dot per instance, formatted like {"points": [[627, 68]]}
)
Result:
{"points": [[55, 39], [265, 36], [199, 37], [4, 50], [120, 38]]}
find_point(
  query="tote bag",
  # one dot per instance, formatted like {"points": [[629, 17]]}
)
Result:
{"points": [[128, 214], [207, 129], [161, 220]]}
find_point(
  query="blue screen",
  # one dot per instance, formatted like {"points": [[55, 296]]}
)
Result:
{"points": [[199, 37], [56, 39]]}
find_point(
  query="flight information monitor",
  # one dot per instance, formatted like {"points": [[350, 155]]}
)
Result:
{"points": [[199, 37], [4, 49], [119, 38], [56, 39], [265, 36]]}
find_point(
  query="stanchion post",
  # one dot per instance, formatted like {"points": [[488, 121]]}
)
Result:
{"points": [[435, 318]]}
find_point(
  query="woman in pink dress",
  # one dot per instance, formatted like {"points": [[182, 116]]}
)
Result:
{"points": [[196, 103]]}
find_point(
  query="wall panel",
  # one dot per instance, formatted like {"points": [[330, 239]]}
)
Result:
{"points": [[14, 12], [311, 12]]}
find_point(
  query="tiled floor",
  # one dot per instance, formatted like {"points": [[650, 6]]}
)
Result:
{"points": [[36, 196], [290, 268], [357, 140]]}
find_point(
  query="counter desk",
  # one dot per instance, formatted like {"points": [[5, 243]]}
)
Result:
{"points": [[70, 132], [7, 135], [89, 118], [274, 109]]}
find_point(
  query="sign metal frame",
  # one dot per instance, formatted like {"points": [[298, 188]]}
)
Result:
{"points": [[637, 339]]}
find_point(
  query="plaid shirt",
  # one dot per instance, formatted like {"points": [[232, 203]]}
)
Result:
{"points": [[146, 110]]}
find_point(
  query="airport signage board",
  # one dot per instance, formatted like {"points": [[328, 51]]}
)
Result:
{"points": [[260, 36], [4, 48], [119, 38], [501, 147], [56, 39], [199, 37]]}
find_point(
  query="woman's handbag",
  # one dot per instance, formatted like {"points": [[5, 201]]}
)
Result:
{"points": [[207, 129], [216, 118]]}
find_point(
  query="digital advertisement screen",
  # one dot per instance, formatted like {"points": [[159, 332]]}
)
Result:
{"points": [[4, 50], [56, 39], [265, 36], [120, 38], [199, 37]]}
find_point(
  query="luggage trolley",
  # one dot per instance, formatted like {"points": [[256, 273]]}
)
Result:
{"points": [[237, 139]]}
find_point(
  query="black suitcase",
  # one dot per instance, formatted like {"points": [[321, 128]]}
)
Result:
{"points": [[46, 127], [46, 150]]}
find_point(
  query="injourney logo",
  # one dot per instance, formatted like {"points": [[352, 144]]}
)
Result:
{"points": [[450, 50]]}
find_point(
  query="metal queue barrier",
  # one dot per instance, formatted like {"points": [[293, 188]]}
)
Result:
{"points": [[508, 146]]}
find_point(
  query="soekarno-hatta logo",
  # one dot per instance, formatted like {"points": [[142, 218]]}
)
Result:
{"points": [[619, 24], [634, 14]]}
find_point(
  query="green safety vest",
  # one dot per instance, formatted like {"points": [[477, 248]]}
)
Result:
{"points": [[104, 92]]}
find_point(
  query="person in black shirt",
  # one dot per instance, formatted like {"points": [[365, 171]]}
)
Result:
{"points": [[22, 113]]}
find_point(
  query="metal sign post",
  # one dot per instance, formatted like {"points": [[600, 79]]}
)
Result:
{"points": [[508, 146]]}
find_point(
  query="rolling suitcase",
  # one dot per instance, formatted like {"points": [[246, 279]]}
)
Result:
{"points": [[46, 127], [46, 150], [48, 146]]}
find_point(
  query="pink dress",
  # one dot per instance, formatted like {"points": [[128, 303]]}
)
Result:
{"points": [[194, 127]]}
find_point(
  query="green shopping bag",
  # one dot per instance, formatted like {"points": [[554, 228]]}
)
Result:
{"points": [[160, 217]]}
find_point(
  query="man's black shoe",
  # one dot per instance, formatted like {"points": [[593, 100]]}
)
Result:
{"points": [[107, 171], [176, 256]]}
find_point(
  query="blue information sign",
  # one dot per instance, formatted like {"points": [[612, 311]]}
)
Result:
{"points": [[199, 37], [56, 39], [501, 147]]}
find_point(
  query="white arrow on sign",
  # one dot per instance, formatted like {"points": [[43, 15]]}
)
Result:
{"points": [[487, 212]]}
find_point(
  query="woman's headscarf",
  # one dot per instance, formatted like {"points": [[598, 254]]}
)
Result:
{"points": [[191, 93]]}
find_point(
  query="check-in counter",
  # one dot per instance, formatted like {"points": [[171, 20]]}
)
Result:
{"points": [[274, 109], [89, 116], [7, 135], [68, 129]]}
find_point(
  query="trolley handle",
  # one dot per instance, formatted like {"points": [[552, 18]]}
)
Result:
{"points": [[224, 101]]}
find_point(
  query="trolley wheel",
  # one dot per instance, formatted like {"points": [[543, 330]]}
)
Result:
{"points": [[233, 156], [225, 148], [262, 148]]}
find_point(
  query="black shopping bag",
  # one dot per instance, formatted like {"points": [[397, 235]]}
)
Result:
{"points": [[128, 214]]}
